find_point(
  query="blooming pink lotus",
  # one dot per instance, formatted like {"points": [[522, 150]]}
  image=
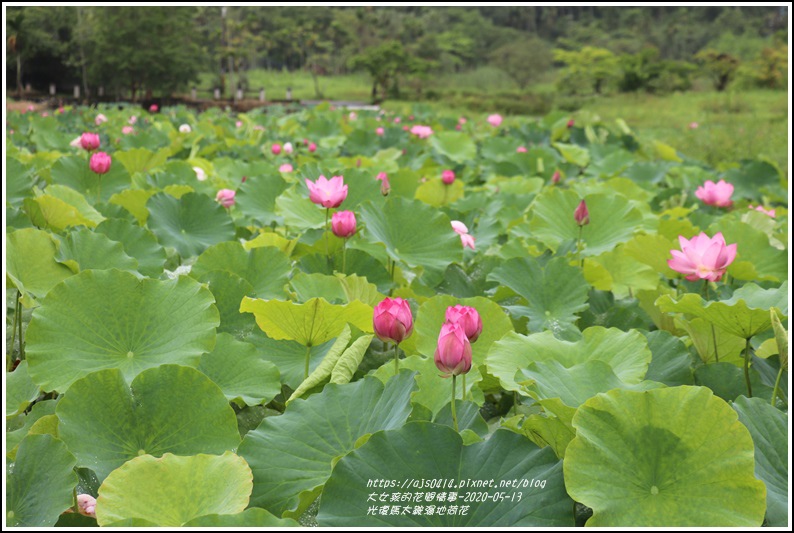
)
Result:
{"points": [[225, 197], [200, 174], [466, 240], [581, 214], [379, 131], [702, 257], [133, 119], [716, 194], [276, 149], [392, 320], [494, 120], [89, 141], [769, 212], [422, 132], [343, 224], [287, 148], [396, 120], [327, 193], [448, 177], [100, 163], [154, 108], [86, 505], [385, 186], [521, 150], [468, 318], [100, 118], [238, 124], [462, 120], [286, 167], [127, 130], [693, 125], [453, 351]]}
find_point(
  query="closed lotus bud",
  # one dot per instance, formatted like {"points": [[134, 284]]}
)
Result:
{"points": [[312, 147], [343, 224], [276, 149], [494, 120], [392, 320], [225, 197], [453, 352], [555, 178], [466, 317], [385, 186], [89, 141], [133, 119], [521, 150], [379, 131], [287, 148], [448, 177], [100, 163], [286, 167], [154, 108], [86, 505], [238, 124], [100, 118], [570, 123], [581, 214]]}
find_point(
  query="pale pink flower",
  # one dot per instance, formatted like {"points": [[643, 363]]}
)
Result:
{"points": [[693, 125], [521, 150], [185, 128], [133, 119], [127, 130], [286, 167], [238, 124], [76, 142], [396, 120], [385, 186], [716, 194], [86, 505], [467, 241], [462, 120], [379, 131], [459, 227], [770, 212], [494, 120], [327, 193], [422, 131], [200, 174], [352, 115], [702, 257], [100, 118], [287, 148], [225, 197]]}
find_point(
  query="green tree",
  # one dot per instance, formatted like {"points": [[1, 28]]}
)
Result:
{"points": [[588, 69], [385, 63], [524, 61], [720, 67]]}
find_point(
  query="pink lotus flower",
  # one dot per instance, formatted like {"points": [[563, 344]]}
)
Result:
{"points": [[133, 119], [466, 240], [462, 120], [410, 118], [60, 110], [570, 123], [276, 149], [385, 186], [89, 141], [693, 125], [100, 118], [343, 224], [185, 128], [581, 214], [31, 108], [770, 212], [225, 197], [396, 120], [200, 174], [392, 320], [86, 505], [100, 163], [287, 148], [521, 150], [702, 257], [448, 177], [458, 127], [127, 130], [312, 147], [238, 124], [379, 131], [286, 167], [327, 193], [494, 120], [555, 178], [75, 142], [468, 318], [154, 108], [453, 352], [716, 194], [422, 131]]}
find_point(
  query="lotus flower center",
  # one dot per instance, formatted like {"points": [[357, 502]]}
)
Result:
{"points": [[704, 270], [654, 490]]}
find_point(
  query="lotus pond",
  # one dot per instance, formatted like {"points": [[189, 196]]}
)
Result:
{"points": [[263, 319]]}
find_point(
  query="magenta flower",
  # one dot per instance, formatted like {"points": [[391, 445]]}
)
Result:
{"points": [[100, 163], [343, 224], [225, 197], [392, 320], [770, 212], [570, 123], [327, 193], [453, 352], [521, 150], [448, 177], [466, 240], [494, 120], [385, 186], [312, 147], [716, 194], [89, 141], [154, 108], [581, 214], [468, 318], [379, 131], [422, 132], [702, 257], [276, 149], [555, 178]]}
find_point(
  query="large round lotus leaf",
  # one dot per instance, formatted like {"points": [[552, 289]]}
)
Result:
{"points": [[47, 211], [618, 272], [292, 455], [241, 373], [134, 201], [768, 427], [19, 182], [171, 490], [297, 211], [142, 159], [554, 293], [613, 220], [670, 362], [102, 319], [256, 198], [20, 390], [74, 172], [289, 356], [76, 200], [138, 242], [412, 232], [18, 427], [30, 261], [190, 224], [745, 314], [168, 409], [229, 290], [253, 517], [626, 353], [459, 147], [39, 483], [424, 451], [84, 249], [672, 457], [266, 269]]}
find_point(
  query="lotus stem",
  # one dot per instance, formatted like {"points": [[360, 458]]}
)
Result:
{"points": [[578, 248], [344, 256], [306, 366], [463, 387], [747, 367], [777, 385], [454, 416], [327, 255], [396, 359], [10, 363], [19, 313]]}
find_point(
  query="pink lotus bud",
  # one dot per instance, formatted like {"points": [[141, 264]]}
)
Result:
{"points": [[133, 119], [185, 128], [716, 194], [352, 115], [379, 131], [244, 178], [396, 120], [200, 174], [306, 141], [127, 130], [61, 110], [702, 257], [760, 208], [467, 241], [327, 193], [406, 128], [421, 131], [453, 352], [225, 197], [31, 108], [86, 505], [462, 120], [286, 167], [459, 227], [312, 147], [154, 108], [570, 123], [238, 124], [343, 224], [555, 178], [392, 320], [458, 127], [100, 118], [693, 125], [494, 120], [276, 149], [581, 214], [466, 317], [448, 177], [89, 141], [521, 150], [287, 148], [385, 186], [100, 163]]}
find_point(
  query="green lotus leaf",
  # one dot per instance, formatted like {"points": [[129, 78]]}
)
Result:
{"points": [[613, 220], [19, 427], [229, 290], [84, 249], [727, 381], [74, 172], [573, 154], [652, 250], [102, 319], [308, 286], [750, 179], [359, 288], [620, 273], [670, 457], [30, 262], [412, 232], [670, 361], [297, 211], [241, 373], [768, 428], [362, 187], [138, 243], [292, 455], [705, 336], [554, 294], [76, 200], [310, 323], [53, 213], [40, 482], [436, 193], [459, 147], [190, 224], [19, 181], [20, 390], [256, 198], [424, 451], [134, 201], [289, 356], [171, 490], [756, 258], [142, 159], [626, 353], [253, 517], [171, 408], [326, 367], [745, 314]]}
